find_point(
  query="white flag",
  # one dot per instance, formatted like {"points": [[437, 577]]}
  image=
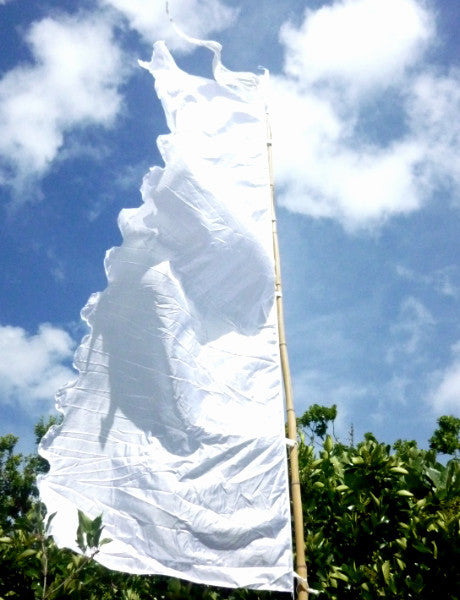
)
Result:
{"points": [[174, 429]]}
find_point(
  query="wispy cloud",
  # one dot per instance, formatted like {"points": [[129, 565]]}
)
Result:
{"points": [[340, 73], [411, 329], [445, 395], [72, 82], [441, 280], [33, 367]]}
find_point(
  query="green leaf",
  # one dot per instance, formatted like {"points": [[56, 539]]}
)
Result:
{"points": [[386, 571], [421, 547], [49, 521], [374, 498], [339, 575], [26, 553], [342, 488], [80, 540], [84, 522], [318, 484], [399, 470], [402, 543], [405, 493]]}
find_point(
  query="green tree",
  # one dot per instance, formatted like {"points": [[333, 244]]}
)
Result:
{"points": [[317, 420], [380, 524], [17, 484], [446, 438]]}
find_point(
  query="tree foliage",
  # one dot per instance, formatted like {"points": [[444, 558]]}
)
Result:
{"points": [[317, 419], [446, 438], [380, 522], [17, 484]]}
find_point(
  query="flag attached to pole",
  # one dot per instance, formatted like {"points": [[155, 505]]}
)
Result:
{"points": [[174, 428]]}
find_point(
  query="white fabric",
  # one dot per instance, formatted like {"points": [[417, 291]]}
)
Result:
{"points": [[174, 429]]}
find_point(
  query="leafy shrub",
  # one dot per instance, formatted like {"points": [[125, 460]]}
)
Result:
{"points": [[381, 524]]}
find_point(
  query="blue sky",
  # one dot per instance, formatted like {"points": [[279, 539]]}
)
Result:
{"points": [[365, 100]]}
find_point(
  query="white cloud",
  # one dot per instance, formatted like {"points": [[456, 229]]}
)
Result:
{"points": [[197, 18], [323, 172], [72, 82], [362, 43], [445, 397], [33, 367], [340, 73], [433, 106]]}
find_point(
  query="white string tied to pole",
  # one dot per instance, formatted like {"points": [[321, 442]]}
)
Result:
{"points": [[305, 581]]}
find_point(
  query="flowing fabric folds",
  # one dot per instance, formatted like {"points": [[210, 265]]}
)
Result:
{"points": [[174, 428]]}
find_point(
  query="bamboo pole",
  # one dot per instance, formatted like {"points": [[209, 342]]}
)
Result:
{"points": [[299, 543]]}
